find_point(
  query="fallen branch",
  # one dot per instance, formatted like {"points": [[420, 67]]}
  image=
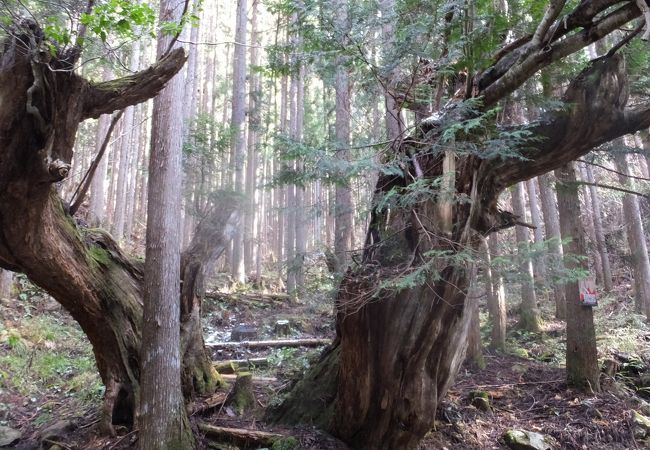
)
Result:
{"points": [[312, 342], [207, 404], [258, 380], [231, 366], [250, 297], [240, 435]]}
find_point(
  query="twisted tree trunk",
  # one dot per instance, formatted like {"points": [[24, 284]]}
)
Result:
{"points": [[83, 269], [399, 344]]}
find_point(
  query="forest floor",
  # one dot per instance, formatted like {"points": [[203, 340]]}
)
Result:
{"points": [[50, 391]]}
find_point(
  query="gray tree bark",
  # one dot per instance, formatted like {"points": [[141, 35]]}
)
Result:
{"points": [[495, 295], [539, 265], [394, 120], [529, 318], [238, 127], [162, 420], [98, 186], [552, 228], [343, 203], [599, 229], [636, 237]]}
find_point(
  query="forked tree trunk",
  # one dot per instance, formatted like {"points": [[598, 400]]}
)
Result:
{"points": [[83, 269], [400, 340]]}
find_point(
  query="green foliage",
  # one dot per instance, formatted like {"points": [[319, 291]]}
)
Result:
{"points": [[121, 18]]}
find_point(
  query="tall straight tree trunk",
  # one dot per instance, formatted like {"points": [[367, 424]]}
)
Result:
{"points": [[126, 157], [98, 186], [238, 127], [588, 220], [552, 228], [343, 209], [582, 355], [637, 238], [300, 191], [162, 420], [599, 229], [529, 318], [539, 265], [254, 127], [474, 354], [496, 298], [394, 120]]}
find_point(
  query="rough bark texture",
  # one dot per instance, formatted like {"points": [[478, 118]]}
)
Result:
{"points": [[162, 419], [582, 355], [81, 268], [398, 348]]}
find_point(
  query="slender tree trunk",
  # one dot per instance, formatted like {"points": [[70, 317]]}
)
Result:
{"points": [[98, 186], [582, 354], [254, 126], [162, 420], [588, 220], [474, 345], [598, 227], [552, 228], [539, 265], [300, 191], [496, 299], [637, 238], [529, 318], [394, 121], [126, 157], [238, 127], [343, 209]]}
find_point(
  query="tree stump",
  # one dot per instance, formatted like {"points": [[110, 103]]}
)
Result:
{"points": [[282, 328], [243, 398]]}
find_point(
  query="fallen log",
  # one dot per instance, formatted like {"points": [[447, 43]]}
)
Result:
{"points": [[240, 436], [311, 342], [256, 380], [250, 297], [233, 365]]}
